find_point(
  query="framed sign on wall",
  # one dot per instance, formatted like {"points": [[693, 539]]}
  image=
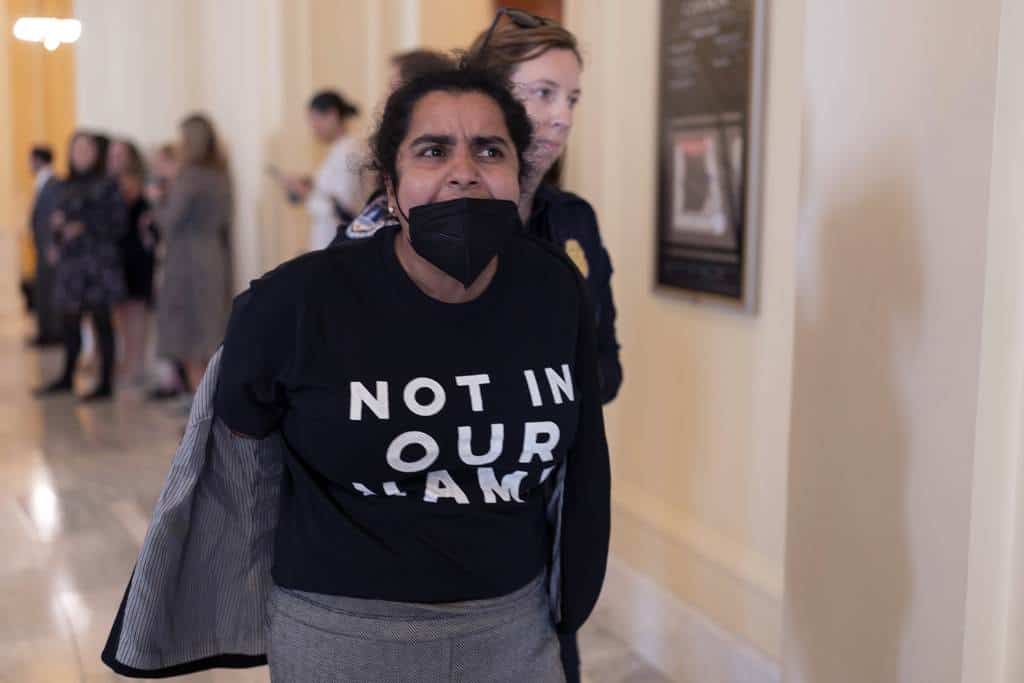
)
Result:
{"points": [[711, 72]]}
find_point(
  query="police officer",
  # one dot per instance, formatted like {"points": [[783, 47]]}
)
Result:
{"points": [[568, 222]]}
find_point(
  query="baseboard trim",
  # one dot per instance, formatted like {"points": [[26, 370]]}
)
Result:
{"points": [[743, 563], [673, 637]]}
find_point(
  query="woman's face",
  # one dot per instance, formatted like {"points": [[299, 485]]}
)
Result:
{"points": [[130, 186], [457, 146], [165, 165], [326, 125], [84, 153], [117, 158], [549, 87]]}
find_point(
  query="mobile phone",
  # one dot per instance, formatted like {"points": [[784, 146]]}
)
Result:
{"points": [[274, 172]]}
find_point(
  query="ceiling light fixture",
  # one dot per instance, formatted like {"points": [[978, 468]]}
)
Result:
{"points": [[49, 31]]}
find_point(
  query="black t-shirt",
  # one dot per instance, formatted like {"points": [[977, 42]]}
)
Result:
{"points": [[423, 437]]}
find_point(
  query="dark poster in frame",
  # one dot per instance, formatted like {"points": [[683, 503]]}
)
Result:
{"points": [[711, 61]]}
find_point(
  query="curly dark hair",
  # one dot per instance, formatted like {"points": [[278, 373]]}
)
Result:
{"points": [[394, 122], [415, 63]]}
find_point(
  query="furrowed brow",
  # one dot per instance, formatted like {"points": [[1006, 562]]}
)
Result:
{"points": [[484, 140], [433, 140]]}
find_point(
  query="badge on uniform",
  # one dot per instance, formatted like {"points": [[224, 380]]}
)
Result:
{"points": [[575, 252], [374, 217]]}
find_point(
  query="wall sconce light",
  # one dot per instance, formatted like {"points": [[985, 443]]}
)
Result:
{"points": [[49, 31]]}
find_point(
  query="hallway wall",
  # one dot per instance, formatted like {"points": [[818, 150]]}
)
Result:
{"points": [[7, 212], [137, 72], [453, 24], [36, 107], [995, 595], [42, 96], [891, 268]]}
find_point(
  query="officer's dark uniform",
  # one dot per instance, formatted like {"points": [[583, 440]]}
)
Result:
{"points": [[568, 222]]}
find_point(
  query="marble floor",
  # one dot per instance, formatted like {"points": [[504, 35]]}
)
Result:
{"points": [[77, 484]]}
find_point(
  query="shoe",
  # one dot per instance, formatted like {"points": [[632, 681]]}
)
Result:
{"points": [[162, 394], [101, 393], [61, 386]]}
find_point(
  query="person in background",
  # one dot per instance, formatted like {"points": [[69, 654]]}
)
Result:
{"points": [[194, 215], [137, 245], [542, 63], [89, 359], [165, 166], [47, 195], [405, 66], [171, 376], [87, 225], [336, 194]]}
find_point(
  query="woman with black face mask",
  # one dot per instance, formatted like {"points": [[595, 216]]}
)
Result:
{"points": [[443, 507]]}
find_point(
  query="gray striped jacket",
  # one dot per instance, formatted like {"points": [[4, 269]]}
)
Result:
{"points": [[197, 597]]}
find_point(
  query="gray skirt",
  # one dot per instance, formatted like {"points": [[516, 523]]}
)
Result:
{"points": [[326, 638]]}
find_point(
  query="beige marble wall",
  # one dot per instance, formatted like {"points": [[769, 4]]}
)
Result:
{"points": [[453, 24], [995, 596], [36, 107], [6, 157], [891, 289]]}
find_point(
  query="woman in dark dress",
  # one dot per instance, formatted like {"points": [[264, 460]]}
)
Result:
{"points": [[138, 258], [87, 226]]}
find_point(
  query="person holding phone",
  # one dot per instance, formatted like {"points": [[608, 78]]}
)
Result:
{"points": [[335, 195]]}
